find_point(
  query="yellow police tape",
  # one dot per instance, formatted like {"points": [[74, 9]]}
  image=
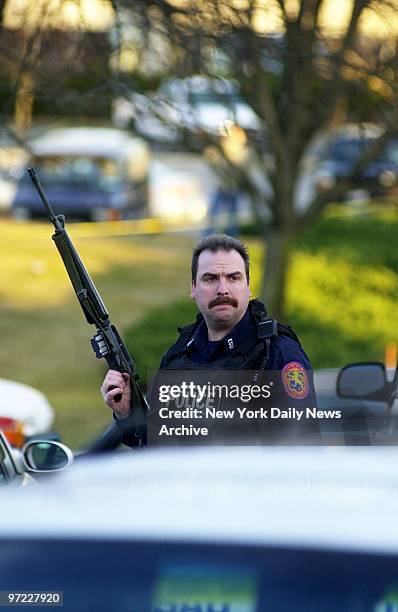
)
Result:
{"points": [[102, 229], [132, 227], [120, 228]]}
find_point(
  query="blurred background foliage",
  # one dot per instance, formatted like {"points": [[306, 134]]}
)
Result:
{"points": [[302, 66]]}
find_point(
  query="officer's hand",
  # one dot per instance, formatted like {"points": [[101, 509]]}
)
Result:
{"points": [[116, 384]]}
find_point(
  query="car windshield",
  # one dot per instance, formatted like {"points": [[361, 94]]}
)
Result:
{"points": [[102, 171]]}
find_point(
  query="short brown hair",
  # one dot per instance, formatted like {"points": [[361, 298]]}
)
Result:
{"points": [[219, 242]]}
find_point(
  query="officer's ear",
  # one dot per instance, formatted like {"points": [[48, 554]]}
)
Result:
{"points": [[193, 290]]}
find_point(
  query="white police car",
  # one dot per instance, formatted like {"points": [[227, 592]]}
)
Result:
{"points": [[209, 530]]}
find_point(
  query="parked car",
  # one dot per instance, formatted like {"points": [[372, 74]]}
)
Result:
{"points": [[196, 103], [378, 178], [220, 529], [36, 456], [366, 397], [88, 173]]}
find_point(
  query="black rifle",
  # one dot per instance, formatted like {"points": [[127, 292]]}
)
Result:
{"points": [[106, 343]]}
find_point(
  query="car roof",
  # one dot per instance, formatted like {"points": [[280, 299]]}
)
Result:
{"points": [[334, 498], [103, 142]]}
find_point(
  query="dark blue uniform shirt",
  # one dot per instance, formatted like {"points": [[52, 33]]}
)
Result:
{"points": [[283, 349], [204, 350]]}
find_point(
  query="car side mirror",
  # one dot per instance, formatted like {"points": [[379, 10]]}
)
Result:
{"points": [[46, 456], [364, 381]]}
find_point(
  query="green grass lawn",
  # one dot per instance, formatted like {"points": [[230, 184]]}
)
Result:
{"points": [[343, 288], [342, 300]]}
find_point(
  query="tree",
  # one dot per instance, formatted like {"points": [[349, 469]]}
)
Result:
{"points": [[300, 76], [54, 60]]}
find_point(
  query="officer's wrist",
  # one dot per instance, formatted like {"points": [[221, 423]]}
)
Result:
{"points": [[120, 417]]}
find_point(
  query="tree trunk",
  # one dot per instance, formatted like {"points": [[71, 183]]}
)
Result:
{"points": [[278, 241], [2, 10], [23, 111]]}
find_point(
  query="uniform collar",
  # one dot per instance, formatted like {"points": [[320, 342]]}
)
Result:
{"points": [[200, 340]]}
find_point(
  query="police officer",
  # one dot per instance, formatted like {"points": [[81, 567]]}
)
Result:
{"points": [[230, 332]]}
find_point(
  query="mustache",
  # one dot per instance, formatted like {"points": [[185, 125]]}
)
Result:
{"points": [[223, 300]]}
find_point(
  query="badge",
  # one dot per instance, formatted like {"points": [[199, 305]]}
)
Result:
{"points": [[295, 380]]}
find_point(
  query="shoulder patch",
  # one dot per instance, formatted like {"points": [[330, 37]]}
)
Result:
{"points": [[295, 380]]}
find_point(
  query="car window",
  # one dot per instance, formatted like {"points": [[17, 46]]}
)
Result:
{"points": [[78, 169]]}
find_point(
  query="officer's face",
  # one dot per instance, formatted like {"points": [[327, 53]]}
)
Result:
{"points": [[221, 290]]}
